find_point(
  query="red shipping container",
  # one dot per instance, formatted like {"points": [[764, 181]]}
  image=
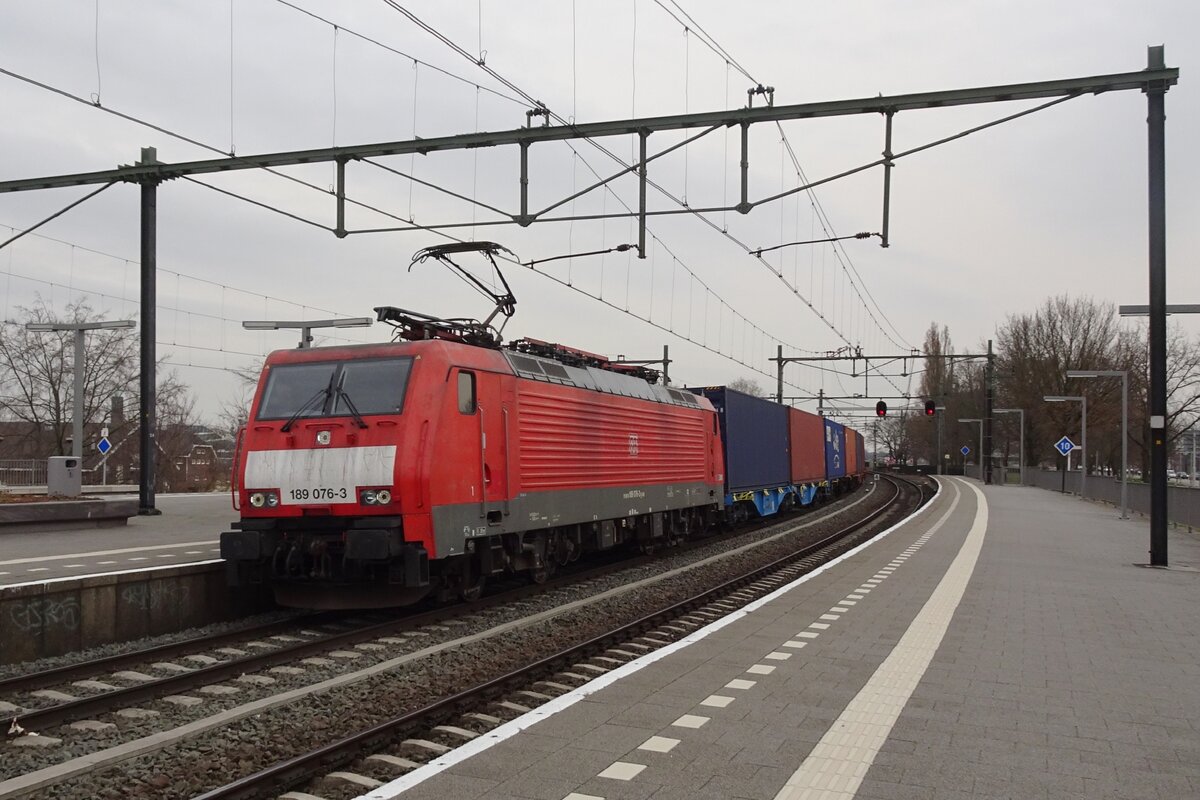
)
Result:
{"points": [[853, 451], [806, 437]]}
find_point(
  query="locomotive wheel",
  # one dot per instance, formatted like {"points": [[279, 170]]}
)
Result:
{"points": [[471, 582], [474, 591], [540, 575]]}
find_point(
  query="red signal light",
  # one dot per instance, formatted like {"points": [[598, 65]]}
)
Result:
{"points": [[881, 409], [930, 408]]}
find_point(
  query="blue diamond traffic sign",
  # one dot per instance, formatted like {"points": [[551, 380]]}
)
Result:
{"points": [[104, 445], [964, 450], [1064, 446]]}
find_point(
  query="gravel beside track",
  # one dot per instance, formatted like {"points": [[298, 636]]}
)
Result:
{"points": [[427, 669]]}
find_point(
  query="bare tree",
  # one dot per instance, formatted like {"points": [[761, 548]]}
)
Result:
{"points": [[235, 408], [895, 437], [937, 384], [1035, 352], [37, 387], [1183, 386], [746, 386], [37, 374]]}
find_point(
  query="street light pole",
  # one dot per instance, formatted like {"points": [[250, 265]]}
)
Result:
{"points": [[1083, 448], [1124, 376], [1021, 412], [980, 456]]}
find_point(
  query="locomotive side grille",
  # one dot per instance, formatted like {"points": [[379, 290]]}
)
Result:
{"points": [[571, 441]]}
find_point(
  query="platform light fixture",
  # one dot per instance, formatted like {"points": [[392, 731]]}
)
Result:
{"points": [[1124, 376], [305, 326], [1075, 398]]}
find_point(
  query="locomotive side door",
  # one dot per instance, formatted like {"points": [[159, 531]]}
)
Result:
{"points": [[492, 403]]}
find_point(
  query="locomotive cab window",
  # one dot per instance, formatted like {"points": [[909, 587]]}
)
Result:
{"points": [[374, 386], [466, 392], [331, 388]]}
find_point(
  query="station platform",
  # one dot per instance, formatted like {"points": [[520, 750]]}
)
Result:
{"points": [[186, 532], [1001, 643]]}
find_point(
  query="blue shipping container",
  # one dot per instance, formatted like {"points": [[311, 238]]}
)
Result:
{"points": [[754, 432], [835, 450]]}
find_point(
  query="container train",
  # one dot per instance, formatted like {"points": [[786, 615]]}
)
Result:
{"points": [[374, 475]]}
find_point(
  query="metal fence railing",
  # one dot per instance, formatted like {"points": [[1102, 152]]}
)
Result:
{"points": [[23, 472], [1183, 504]]}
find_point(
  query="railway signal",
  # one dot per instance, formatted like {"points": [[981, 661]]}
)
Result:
{"points": [[881, 409], [930, 408]]}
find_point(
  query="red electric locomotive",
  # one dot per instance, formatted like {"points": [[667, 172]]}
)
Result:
{"points": [[372, 475]]}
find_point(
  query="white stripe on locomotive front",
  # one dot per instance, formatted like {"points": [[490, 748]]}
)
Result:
{"points": [[328, 469]]}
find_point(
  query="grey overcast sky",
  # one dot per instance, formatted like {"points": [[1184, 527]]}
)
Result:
{"points": [[981, 228]]}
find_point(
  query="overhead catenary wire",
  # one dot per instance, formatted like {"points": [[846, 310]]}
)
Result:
{"points": [[534, 102], [730, 60], [264, 205], [212, 148], [389, 48]]}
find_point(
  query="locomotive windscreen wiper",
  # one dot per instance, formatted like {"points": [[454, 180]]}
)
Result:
{"points": [[342, 394], [322, 395]]}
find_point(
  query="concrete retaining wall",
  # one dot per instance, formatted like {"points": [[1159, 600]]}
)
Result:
{"points": [[65, 615]]}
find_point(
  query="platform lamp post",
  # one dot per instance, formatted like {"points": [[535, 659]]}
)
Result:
{"points": [[979, 456], [1020, 411], [1124, 376], [1055, 398], [305, 326], [80, 328]]}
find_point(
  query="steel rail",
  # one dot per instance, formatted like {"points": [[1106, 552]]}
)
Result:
{"points": [[68, 672], [282, 776]]}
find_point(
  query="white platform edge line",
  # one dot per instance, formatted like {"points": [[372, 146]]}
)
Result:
{"points": [[564, 701], [895, 679], [120, 551]]}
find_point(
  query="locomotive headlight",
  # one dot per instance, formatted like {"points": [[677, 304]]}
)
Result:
{"points": [[272, 499], [368, 497], [383, 497], [258, 499]]}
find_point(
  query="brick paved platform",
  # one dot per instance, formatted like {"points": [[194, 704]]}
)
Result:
{"points": [[1005, 647]]}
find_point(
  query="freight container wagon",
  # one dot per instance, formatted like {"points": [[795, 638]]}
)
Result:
{"points": [[807, 453], [853, 461], [835, 452]]}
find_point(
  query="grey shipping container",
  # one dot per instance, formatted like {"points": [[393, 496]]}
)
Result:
{"points": [[754, 433]]}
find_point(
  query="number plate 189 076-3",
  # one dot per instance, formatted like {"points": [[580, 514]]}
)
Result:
{"points": [[317, 494]]}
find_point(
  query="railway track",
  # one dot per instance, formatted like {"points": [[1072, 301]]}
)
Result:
{"points": [[261, 648], [515, 604]]}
